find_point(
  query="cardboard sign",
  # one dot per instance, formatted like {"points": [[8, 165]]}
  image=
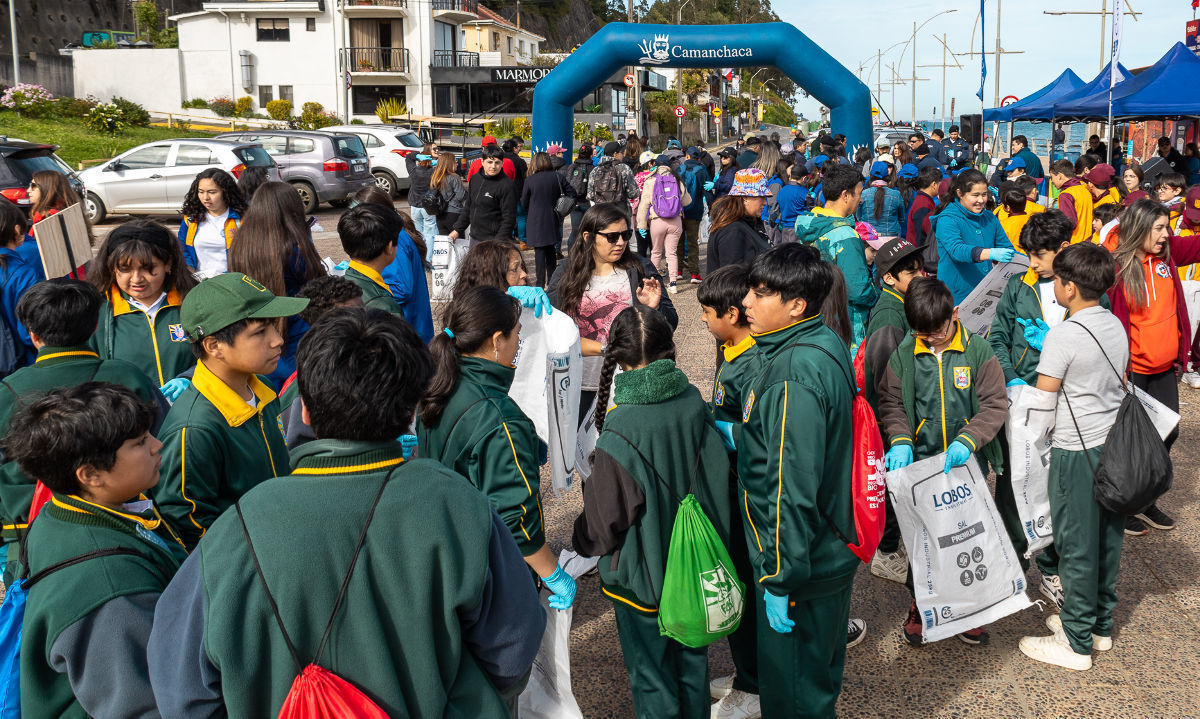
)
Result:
{"points": [[64, 242], [978, 308]]}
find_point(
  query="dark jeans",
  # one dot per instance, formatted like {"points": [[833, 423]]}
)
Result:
{"points": [[546, 260], [576, 219]]}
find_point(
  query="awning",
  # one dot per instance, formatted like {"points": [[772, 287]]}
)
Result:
{"points": [[1065, 83], [1168, 88], [1044, 109]]}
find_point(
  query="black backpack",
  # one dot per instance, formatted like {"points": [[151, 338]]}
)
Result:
{"points": [[606, 183], [577, 177], [433, 202]]}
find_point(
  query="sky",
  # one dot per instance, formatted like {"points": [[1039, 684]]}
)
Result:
{"points": [[853, 30]]}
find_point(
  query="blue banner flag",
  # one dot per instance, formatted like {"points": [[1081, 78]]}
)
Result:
{"points": [[982, 50]]}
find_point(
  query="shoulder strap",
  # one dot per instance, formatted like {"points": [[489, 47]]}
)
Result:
{"points": [[29, 581], [1120, 378]]}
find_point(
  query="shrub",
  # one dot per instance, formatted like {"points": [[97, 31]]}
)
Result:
{"points": [[223, 106], [132, 113], [28, 100], [581, 131], [314, 117], [181, 125], [388, 107], [196, 102], [244, 106], [522, 127], [603, 131], [357, 121], [279, 109], [105, 118], [73, 107]]}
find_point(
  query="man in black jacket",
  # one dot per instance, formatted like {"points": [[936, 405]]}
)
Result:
{"points": [[491, 207], [1168, 152]]}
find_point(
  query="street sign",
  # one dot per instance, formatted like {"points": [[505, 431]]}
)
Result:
{"points": [[717, 121], [680, 111], [629, 80], [874, 112], [716, 111], [1008, 99]]}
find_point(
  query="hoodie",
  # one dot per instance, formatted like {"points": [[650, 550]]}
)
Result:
{"points": [[962, 236], [840, 244]]}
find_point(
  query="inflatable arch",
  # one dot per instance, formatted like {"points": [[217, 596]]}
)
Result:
{"points": [[619, 44]]}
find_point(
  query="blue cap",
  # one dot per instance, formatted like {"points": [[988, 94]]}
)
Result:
{"points": [[880, 170], [673, 145], [908, 171], [693, 152], [820, 160], [1014, 163]]}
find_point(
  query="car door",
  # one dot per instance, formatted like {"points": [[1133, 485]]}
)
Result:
{"points": [[188, 161], [135, 181]]}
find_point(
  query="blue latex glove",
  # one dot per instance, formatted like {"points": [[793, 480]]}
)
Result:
{"points": [[777, 613], [1001, 254], [1017, 381], [643, 233], [343, 266], [408, 445], [898, 457], [957, 455], [725, 429], [171, 390], [534, 298], [709, 185], [1035, 332], [421, 158], [563, 588]]}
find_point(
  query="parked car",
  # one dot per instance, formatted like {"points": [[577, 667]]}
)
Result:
{"points": [[20, 159], [152, 179], [387, 147], [323, 167]]}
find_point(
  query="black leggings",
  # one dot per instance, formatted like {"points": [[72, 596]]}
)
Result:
{"points": [[1163, 387], [546, 260]]}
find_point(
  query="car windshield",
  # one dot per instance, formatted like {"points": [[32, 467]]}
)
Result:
{"points": [[349, 146], [409, 139], [254, 156], [24, 165]]}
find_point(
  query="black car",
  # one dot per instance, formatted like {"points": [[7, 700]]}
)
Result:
{"points": [[19, 160]]}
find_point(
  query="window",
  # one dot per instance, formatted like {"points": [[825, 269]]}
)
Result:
{"points": [[310, 24], [273, 29], [370, 140], [194, 155], [443, 36], [521, 46], [301, 145], [285, 93], [495, 42], [146, 158], [264, 95], [509, 39], [273, 144], [364, 98]]}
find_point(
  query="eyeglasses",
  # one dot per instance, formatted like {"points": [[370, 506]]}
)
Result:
{"points": [[614, 237]]}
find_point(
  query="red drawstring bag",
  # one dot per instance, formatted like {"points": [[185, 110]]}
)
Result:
{"points": [[41, 495], [867, 485]]}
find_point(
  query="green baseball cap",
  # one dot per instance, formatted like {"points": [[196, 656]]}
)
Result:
{"points": [[220, 301]]}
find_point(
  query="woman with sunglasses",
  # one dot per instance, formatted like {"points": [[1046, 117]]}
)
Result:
{"points": [[50, 193], [601, 277]]}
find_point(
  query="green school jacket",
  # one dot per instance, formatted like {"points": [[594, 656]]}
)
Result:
{"points": [[931, 402], [67, 527], [886, 329], [158, 347], [739, 365], [375, 292], [216, 447], [483, 435], [794, 462], [55, 368]]}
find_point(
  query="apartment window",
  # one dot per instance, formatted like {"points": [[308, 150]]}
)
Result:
{"points": [[310, 24], [273, 30], [495, 42], [521, 46], [509, 38], [264, 95], [285, 93]]}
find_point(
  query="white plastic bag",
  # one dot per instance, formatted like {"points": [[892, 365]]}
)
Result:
{"points": [[447, 254], [965, 571], [1164, 418], [1030, 423], [548, 694], [585, 443], [979, 307]]}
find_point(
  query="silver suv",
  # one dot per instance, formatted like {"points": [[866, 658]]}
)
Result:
{"points": [[323, 167]]}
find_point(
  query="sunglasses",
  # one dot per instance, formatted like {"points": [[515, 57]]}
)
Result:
{"points": [[33, 185], [614, 237]]}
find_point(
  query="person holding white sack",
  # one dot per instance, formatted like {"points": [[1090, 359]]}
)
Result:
{"points": [[1087, 536]]}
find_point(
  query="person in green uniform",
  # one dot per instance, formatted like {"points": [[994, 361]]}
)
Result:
{"points": [[1028, 308], [368, 233], [943, 393], [89, 621], [61, 315], [897, 263], [657, 445], [720, 296], [439, 618], [470, 424], [794, 467], [141, 272], [1088, 380], [222, 435]]}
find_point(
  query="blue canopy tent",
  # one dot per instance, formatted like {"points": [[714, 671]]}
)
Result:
{"points": [[1044, 109], [1065, 83], [1168, 88]]}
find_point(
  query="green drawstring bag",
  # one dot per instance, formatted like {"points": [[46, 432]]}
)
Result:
{"points": [[702, 598]]}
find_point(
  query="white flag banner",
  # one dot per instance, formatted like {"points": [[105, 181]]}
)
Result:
{"points": [[1118, 17]]}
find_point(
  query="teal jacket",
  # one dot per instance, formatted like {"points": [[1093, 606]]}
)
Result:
{"points": [[840, 244]]}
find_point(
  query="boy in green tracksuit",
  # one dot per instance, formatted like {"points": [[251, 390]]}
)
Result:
{"points": [[222, 435], [944, 392], [368, 233], [794, 467], [439, 618], [898, 262], [738, 360], [60, 314], [1090, 390], [88, 621], [831, 230]]}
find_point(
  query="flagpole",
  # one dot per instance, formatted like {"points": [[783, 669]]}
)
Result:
{"points": [[1118, 11]]}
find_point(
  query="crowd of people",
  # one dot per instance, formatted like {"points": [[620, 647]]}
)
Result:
{"points": [[228, 467]]}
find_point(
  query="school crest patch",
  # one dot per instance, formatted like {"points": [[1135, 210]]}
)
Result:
{"points": [[177, 333], [749, 406], [719, 397], [962, 377]]}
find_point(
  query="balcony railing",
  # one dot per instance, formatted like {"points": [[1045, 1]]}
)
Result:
{"points": [[455, 58], [377, 59], [376, 3], [470, 6]]}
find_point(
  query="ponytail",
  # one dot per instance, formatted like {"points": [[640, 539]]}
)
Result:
{"points": [[637, 337], [880, 193]]}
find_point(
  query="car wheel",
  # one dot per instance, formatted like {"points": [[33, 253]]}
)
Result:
{"points": [[385, 182], [308, 196], [93, 207]]}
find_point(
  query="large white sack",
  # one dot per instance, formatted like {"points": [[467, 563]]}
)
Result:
{"points": [[965, 571], [548, 694], [447, 255], [1030, 423]]}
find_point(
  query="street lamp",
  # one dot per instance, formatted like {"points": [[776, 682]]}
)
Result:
{"points": [[679, 71], [751, 86], [913, 41]]}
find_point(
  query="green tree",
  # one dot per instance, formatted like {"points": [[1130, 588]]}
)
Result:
{"points": [[779, 114]]}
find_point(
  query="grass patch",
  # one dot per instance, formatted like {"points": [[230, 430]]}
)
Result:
{"points": [[77, 143]]}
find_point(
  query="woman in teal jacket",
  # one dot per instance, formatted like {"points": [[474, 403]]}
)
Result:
{"points": [[969, 238]]}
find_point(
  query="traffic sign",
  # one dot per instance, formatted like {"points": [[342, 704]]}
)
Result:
{"points": [[716, 111], [717, 121], [874, 112], [680, 111], [1008, 100], [629, 80]]}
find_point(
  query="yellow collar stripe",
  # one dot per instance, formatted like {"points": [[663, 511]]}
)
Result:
{"points": [[351, 468], [121, 306], [894, 293], [147, 523], [72, 353], [732, 352], [232, 407], [1030, 277], [370, 274], [958, 344], [781, 329]]}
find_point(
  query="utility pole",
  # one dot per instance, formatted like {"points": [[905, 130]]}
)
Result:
{"points": [[12, 34], [634, 101], [679, 74], [1103, 13], [999, 54], [944, 66], [914, 75]]}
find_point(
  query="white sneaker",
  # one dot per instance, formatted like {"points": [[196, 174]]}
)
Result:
{"points": [[1052, 589], [720, 687], [856, 631], [1191, 379], [892, 567], [1099, 643], [671, 288], [1055, 650], [737, 705]]}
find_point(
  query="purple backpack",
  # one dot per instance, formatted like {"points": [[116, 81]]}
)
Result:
{"points": [[666, 201]]}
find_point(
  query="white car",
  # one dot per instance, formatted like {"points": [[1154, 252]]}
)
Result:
{"points": [[387, 147], [152, 179]]}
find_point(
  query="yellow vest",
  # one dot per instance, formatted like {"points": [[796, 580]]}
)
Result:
{"points": [[1082, 197]]}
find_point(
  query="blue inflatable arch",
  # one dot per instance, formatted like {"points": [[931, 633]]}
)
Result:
{"points": [[619, 44]]}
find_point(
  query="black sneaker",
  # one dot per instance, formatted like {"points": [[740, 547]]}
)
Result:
{"points": [[1134, 527], [1156, 518]]}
